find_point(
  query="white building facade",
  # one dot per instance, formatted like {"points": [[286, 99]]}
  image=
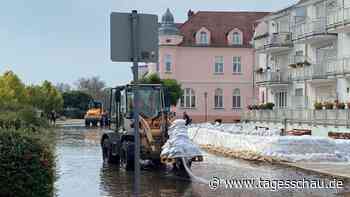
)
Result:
{"points": [[303, 55]]}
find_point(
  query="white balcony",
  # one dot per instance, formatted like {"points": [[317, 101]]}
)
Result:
{"points": [[269, 78], [298, 102], [299, 68], [339, 117], [331, 68], [338, 20], [310, 31], [276, 42]]}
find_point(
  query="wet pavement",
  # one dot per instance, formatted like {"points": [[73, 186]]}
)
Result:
{"points": [[82, 173]]}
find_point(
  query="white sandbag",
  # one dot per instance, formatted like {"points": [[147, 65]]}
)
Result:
{"points": [[179, 144], [289, 148]]}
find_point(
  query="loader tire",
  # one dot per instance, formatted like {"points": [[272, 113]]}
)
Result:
{"points": [[87, 123], [127, 155], [107, 153]]}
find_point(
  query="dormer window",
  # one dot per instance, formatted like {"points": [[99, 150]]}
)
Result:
{"points": [[235, 37], [203, 39], [203, 36]]}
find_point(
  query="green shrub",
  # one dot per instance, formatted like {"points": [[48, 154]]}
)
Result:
{"points": [[269, 106], [16, 116], [329, 105], [27, 165], [318, 106]]}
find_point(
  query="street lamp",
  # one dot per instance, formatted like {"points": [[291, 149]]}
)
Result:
{"points": [[206, 107]]}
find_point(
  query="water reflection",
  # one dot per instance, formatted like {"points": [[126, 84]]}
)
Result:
{"points": [[82, 173], [115, 182]]}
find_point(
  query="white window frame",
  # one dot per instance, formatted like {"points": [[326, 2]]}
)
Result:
{"points": [[168, 63], [237, 65], [188, 99], [281, 99], [219, 98], [219, 65], [236, 99]]}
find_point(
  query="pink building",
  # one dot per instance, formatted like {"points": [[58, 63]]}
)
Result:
{"points": [[211, 56]]}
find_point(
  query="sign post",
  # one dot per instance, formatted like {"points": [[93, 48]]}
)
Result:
{"points": [[134, 38]]}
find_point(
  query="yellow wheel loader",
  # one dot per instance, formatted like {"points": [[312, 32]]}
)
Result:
{"points": [[94, 115], [154, 107]]}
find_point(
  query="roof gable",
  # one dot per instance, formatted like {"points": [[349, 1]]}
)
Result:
{"points": [[219, 24]]}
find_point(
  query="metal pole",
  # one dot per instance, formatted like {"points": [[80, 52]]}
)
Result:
{"points": [[206, 107], [136, 100]]}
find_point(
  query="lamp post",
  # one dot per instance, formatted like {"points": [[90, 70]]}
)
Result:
{"points": [[206, 107]]}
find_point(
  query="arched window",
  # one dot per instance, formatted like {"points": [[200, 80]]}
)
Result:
{"points": [[168, 63], [203, 37], [236, 98], [218, 98], [188, 99], [236, 38]]}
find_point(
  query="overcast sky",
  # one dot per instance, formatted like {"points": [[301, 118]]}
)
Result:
{"points": [[62, 40]]}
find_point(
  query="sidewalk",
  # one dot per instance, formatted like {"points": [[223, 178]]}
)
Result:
{"points": [[330, 169]]}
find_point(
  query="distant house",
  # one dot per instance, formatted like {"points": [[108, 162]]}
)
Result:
{"points": [[211, 56]]}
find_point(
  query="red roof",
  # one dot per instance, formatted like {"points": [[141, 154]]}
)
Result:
{"points": [[219, 24]]}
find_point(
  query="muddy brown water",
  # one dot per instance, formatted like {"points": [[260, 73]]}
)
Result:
{"points": [[82, 173]]}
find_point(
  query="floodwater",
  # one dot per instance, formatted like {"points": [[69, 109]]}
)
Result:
{"points": [[82, 173]]}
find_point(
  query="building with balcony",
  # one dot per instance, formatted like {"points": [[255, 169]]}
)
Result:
{"points": [[316, 61], [210, 54]]}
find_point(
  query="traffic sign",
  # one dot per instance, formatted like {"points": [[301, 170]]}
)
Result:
{"points": [[122, 40]]}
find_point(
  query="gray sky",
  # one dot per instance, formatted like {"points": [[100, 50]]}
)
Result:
{"points": [[62, 40]]}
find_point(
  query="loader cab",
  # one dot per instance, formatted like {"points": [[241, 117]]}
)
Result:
{"points": [[153, 103], [95, 105]]}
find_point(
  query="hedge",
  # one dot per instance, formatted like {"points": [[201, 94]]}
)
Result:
{"points": [[27, 164]]}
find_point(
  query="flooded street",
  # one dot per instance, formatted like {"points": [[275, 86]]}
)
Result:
{"points": [[82, 173]]}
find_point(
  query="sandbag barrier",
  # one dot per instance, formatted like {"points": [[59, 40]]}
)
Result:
{"points": [[240, 154]]}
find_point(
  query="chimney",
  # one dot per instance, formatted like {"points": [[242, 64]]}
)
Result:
{"points": [[190, 13]]}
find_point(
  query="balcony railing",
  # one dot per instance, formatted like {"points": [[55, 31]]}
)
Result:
{"points": [[309, 116], [309, 27], [301, 69], [276, 40], [322, 69], [338, 16], [331, 67], [271, 77], [281, 39], [299, 102]]}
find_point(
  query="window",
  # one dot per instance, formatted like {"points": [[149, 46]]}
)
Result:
{"points": [[300, 14], [281, 99], [188, 100], [299, 92], [218, 99], [168, 63], [236, 98], [236, 38], [236, 62], [203, 39], [219, 64]]}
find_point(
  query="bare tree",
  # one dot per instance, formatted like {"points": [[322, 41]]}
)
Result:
{"points": [[93, 86], [63, 87]]}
